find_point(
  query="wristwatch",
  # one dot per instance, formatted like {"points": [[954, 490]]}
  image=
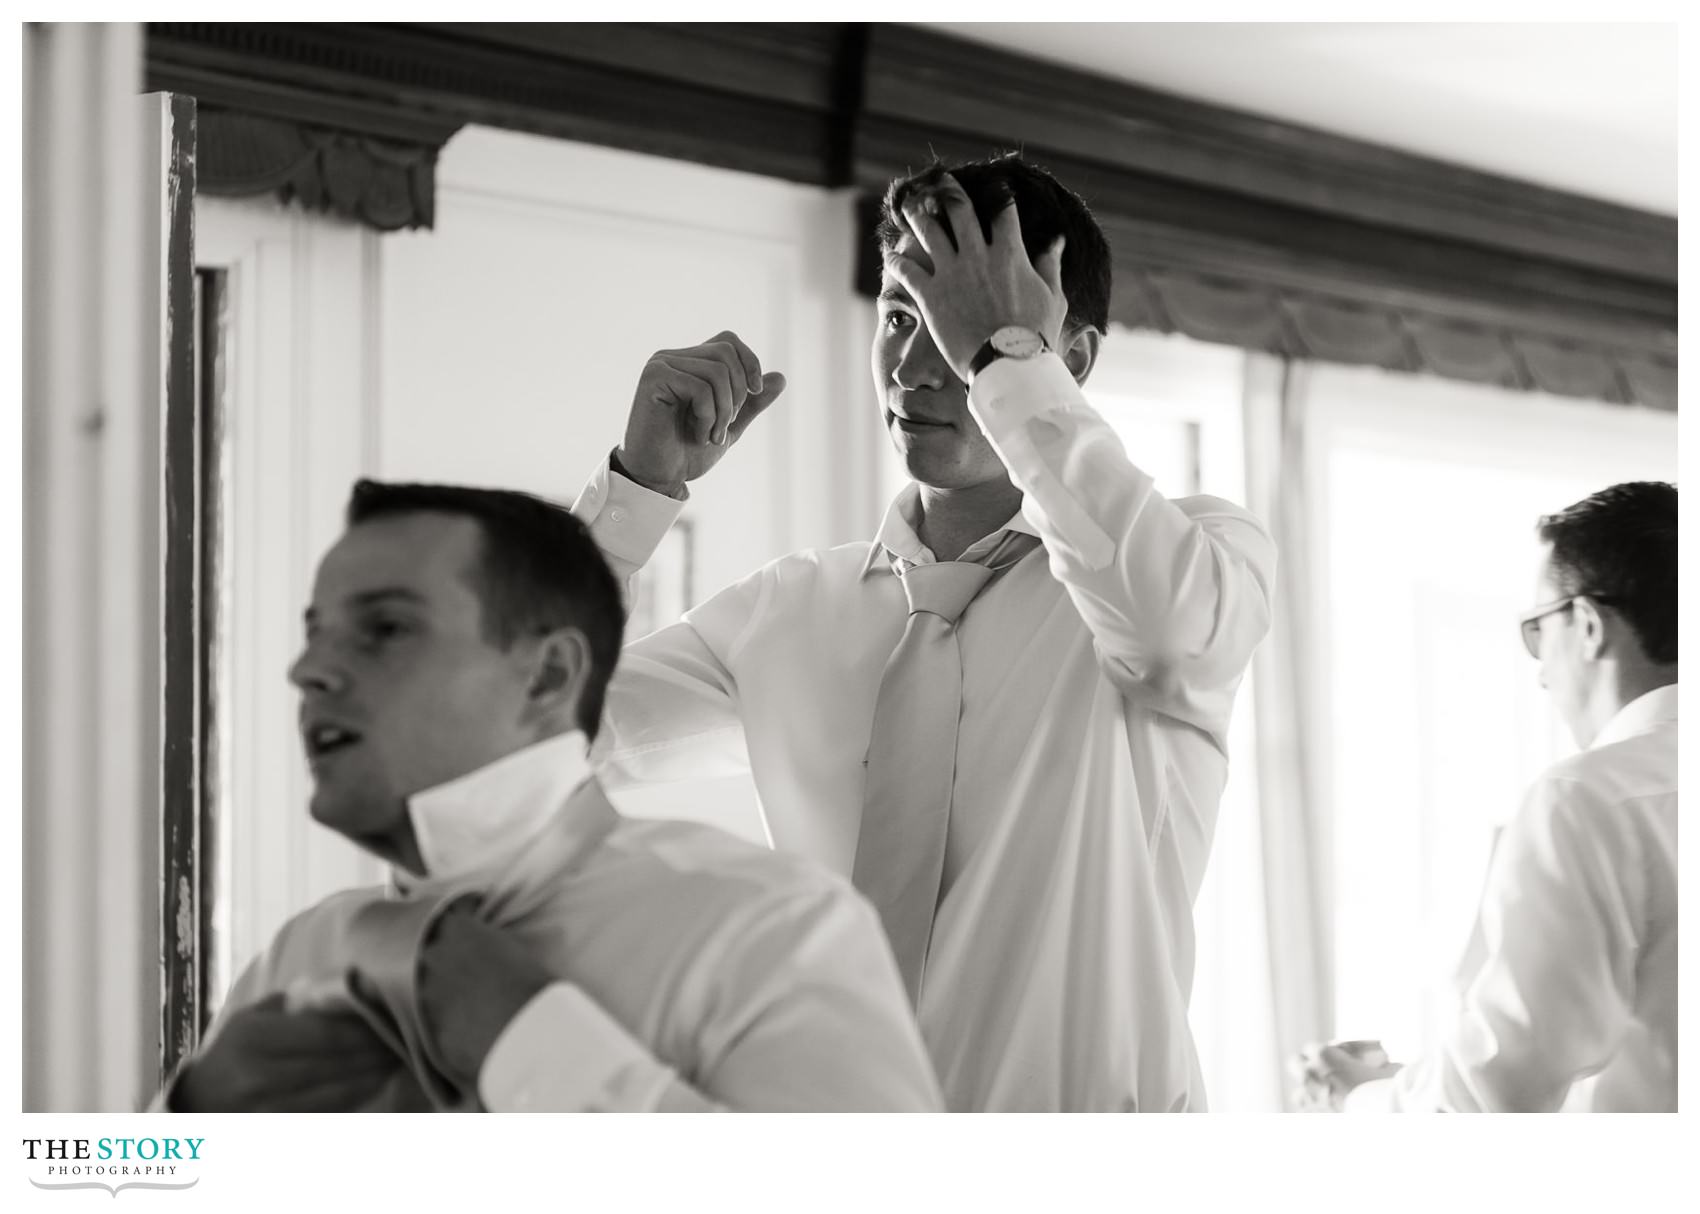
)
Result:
{"points": [[1011, 341]]}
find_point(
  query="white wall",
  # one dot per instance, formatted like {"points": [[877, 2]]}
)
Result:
{"points": [[514, 332], [502, 348]]}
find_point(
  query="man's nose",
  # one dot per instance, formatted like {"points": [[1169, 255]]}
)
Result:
{"points": [[317, 670], [922, 366]]}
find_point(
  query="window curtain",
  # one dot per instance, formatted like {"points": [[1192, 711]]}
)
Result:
{"points": [[1288, 702]]}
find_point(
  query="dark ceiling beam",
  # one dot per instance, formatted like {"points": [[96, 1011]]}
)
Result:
{"points": [[1224, 225], [635, 87], [919, 76]]}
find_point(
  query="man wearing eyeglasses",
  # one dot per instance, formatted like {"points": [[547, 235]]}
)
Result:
{"points": [[1567, 991]]}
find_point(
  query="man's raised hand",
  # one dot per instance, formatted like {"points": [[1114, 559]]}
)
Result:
{"points": [[967, 287], [691, 405]]}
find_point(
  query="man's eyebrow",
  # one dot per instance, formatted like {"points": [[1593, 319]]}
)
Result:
{"points": [[386, 592], [895, 293], [367, 598]]}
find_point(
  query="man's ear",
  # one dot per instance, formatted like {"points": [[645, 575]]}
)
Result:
{"points": [[559, 669], [1080, 351], [1590, 629]]}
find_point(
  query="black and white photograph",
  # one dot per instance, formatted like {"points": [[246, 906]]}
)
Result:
{"points": [[844, 567]]}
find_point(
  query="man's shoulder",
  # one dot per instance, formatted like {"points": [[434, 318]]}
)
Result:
{"points": [[698, 869], [331, 912], [813, 562], [1203, 508], [1599, 801], [317, 929], [1618, 773], [311, 943], [795, 579]]}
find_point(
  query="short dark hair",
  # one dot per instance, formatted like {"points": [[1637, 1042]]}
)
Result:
{"points": [[1047, 208], [1620, 545], [538, 570]]}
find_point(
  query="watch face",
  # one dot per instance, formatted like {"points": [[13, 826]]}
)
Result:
{"points": [[1013, 341]]}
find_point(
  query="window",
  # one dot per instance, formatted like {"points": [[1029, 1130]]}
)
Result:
{"points": [[1425, 509], [1177, 406]]}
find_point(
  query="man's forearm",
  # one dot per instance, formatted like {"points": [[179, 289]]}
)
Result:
{"points": [[1171, 595]]}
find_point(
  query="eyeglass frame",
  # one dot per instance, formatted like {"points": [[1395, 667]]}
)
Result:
{"points": [[1530, 623]]}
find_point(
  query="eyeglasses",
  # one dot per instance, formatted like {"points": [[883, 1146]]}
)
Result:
{"points": [[1531, 623]]}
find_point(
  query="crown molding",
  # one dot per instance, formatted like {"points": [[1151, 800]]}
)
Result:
{"points": [[1330, 247]]}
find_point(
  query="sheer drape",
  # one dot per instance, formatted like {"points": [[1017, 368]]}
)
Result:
{"points": [[1291, 783]]}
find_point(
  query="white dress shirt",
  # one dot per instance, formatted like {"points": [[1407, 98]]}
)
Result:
{"points": [[699, 972], [1098, 678], [1567, 992]]}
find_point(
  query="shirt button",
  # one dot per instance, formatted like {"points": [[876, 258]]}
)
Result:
{"points": [[617, 515]]}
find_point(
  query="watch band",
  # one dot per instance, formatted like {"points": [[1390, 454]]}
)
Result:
{"points": [[989, 352], [983, 358]]}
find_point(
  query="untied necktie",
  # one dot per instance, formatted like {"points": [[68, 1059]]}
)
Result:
{"points": [[911, 762]]}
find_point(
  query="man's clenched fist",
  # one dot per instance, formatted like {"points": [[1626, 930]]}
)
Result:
{"points": [[473, 979], [690, 406]]}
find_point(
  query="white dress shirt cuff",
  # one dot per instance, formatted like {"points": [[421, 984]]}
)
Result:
{"points": [[563, 1054], [1012, 391], [1045, 460], [626, 520]]}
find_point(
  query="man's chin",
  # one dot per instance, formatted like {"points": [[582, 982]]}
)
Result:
{"points": [[326, 810], [383, 846], [930, 467], [353, 821], [940, 474], [335, 813]]}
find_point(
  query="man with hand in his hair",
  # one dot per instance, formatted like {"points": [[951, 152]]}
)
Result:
{"points": [[1005, 718]]}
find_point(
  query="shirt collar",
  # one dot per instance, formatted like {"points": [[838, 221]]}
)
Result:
{"points": [[490, 813], [1642, 713], [897, 538]]}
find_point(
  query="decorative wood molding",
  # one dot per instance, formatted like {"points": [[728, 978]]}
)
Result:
{"points": [[1319, 245], [382, 183], [1302, 325]]}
